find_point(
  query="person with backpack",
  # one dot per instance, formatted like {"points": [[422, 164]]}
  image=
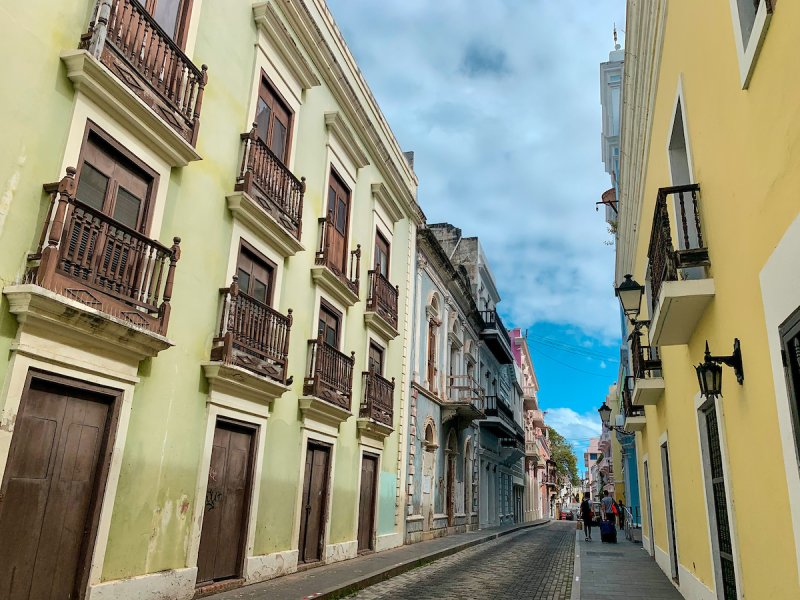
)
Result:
{"points": [[586, 516]]}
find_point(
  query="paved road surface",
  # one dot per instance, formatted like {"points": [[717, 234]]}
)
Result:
{"points": [[535, 564]]}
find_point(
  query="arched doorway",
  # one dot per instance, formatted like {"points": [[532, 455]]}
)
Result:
{"points": [[450, 494]]}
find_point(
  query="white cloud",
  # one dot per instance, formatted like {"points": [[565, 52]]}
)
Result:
{"points": [[500, 102], [576, 427]]}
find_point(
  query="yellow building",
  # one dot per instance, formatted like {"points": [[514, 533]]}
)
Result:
{"points": [[709, 224]]}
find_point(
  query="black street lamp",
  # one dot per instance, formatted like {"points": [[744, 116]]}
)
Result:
{"points": [[630, 294], [605, 417], [709, 372]]}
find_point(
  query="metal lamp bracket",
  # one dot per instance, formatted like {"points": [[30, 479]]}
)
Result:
{"points": [[734, 361]]}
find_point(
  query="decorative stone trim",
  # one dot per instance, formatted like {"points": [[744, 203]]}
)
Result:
{"points": [[242, 383], [386, 199], [372, 433], [333, 284], [381, 326], [336, 126], [268, 22], [45, 310], [98, 83], [248, 212], [316, 411]]}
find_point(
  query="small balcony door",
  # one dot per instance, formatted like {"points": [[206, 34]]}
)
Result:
{"points": [[381, 255], [256, 275], [329, 325], [375, 358], [172, 16], [339, 216], [110, 182], [273, 120]]}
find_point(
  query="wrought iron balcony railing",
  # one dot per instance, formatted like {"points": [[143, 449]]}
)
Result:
{"points": [[630, 409], [645, 359], [252, 335], [665, 260]]}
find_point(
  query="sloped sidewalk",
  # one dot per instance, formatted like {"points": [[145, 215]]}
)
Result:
{"points": [[343, 578], [614, 571]]}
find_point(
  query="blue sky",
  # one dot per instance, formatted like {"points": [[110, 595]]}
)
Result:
{"points": [[500, 102]]}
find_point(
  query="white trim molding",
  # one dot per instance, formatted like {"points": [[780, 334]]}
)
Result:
{"points": [[748, 53]]}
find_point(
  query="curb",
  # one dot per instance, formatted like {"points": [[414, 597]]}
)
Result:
{"points": [[355, 585], [576, 571]]}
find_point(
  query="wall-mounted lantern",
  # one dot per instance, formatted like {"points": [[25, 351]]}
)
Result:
{"points": [[709, 372]]}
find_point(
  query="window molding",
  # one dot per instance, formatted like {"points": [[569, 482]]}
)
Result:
{"points": [[94, 130], [748, 53]]}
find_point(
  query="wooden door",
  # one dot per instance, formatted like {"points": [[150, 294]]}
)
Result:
{"points": [[338, 216], [314, 503], [366, 504], [451, 492], [172, 16], [382, 255], [51, 491], [375, 360], [329, 321], [223, 537], [273, 119], [256, 275]]}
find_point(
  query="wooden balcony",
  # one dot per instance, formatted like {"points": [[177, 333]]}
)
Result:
{"points": [[680, 288], [464, 400], [495, 336], [538, 418], [125, 38], [344, 286], [382, 301], [649, 382], [274, 188], [252, 335], [87, 256], [378, 402], [330, 374]]}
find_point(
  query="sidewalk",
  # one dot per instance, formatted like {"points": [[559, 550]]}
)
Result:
{"points": [[343, 578], [621, 570]]}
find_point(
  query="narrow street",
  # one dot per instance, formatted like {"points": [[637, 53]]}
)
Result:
{"points": [[535, 563]]}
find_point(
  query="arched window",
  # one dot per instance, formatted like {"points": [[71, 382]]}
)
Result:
{"points": [[433, 329]]}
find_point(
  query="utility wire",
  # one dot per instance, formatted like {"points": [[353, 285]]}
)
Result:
{"points": [[569, 366]]}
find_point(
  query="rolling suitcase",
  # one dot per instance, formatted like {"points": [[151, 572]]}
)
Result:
{"points": [[608, 533]]}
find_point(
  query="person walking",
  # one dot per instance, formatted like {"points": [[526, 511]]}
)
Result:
{"points": [[620, 514], [586, 515], [607, 507]]}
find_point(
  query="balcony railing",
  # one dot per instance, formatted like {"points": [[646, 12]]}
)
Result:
{"points": [[665, 260], [383, 297], [631, 409], [496, 336], [126, 39], [378, 402], [330, 374], [494, 406], [270, 183], [325, 257], [645, 359], [252, 335], [464, 388], [88, 256]]}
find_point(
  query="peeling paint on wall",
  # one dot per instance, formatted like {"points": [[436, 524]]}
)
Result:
{"points": [[10, 189]]}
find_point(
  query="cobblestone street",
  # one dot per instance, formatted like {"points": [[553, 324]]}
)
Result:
{"points": [[535, 563]]}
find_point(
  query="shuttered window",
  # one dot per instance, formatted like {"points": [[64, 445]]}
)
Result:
{"points": [[273, 120], [790, 351]]}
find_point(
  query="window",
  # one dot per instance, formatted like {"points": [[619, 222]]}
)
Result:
{"points": [[329, 324], [339, 215], [750, 21], [375, 358], [790, 352], [256, 274], [172, 16], [381, 255], [273, 120], [111, 181], [432, 355]]}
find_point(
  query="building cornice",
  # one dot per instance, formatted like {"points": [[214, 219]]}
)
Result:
{"points": [[644, 42]]}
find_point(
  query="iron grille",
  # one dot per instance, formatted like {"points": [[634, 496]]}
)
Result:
{"points": [[720, 507]]}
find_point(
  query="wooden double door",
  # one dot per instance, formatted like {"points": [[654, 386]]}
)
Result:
{"points": [[314, 502], [227, 504], [52, 488]]}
